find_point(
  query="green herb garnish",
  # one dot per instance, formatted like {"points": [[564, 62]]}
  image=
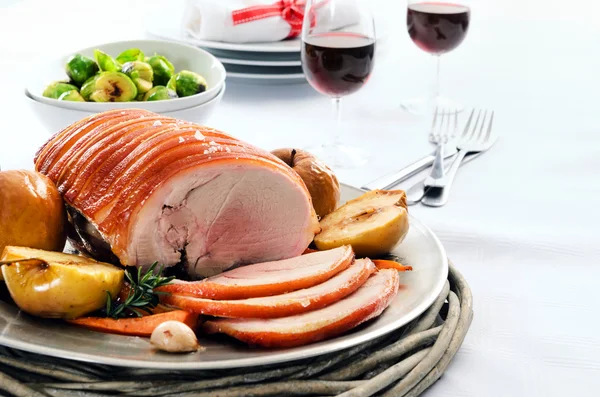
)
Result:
{"points": [[141, 296]]}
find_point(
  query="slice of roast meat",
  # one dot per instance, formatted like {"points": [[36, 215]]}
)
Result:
{"points": [[367, 302], [268, 278], [300, 301], [160, 189]]}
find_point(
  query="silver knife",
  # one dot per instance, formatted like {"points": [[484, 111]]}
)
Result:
{"points": [[392, 179]]}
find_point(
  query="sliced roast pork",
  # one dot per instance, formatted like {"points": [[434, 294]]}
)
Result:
{"points": [[268, 278], [158, 189], [367, 302], [304, 300]]}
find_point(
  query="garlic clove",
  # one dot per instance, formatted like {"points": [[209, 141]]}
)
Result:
{"points": [[174, 337]]}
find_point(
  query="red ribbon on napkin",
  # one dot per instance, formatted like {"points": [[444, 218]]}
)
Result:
{"points": [[292, 11]]}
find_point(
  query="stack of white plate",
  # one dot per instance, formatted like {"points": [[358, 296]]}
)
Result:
{"points": [[271, 62], [275, 62]]}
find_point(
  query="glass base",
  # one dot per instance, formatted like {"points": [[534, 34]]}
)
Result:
{"points": [[420, 106], [340, 156]]}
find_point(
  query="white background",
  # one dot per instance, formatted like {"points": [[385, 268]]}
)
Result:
{"points": [[522, 223]]}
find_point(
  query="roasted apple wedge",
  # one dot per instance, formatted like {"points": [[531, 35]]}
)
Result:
{"points": [[369, 301], [372, 223], [57, 285]]}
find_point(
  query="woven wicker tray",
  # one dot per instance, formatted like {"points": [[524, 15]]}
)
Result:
{"points": [[403, 363]]}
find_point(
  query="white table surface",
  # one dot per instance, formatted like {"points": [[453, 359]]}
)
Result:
{"points": [[522, 222]]}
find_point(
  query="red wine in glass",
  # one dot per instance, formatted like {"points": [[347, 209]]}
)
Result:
{"points": [[337, 63], [437, 27]]}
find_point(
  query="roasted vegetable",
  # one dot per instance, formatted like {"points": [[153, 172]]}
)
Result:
{"points": [[53, 284], [159, 93], [389, 264], [131, 55], [174, 337], [105, 62], [80, 68], [189, 83], [136, 326], [113, 87], [32, 211], [320, 180], [153, 78], [163, 69], [140, 73], [57, 88], [73, 96], [172, 84], [88, 87], [372, 223]]}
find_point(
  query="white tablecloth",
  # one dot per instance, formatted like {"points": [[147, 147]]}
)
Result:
{"points": [[522, 223]]}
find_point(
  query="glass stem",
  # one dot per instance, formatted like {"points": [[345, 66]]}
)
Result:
{"points": [[337, 127], [436, 92]]}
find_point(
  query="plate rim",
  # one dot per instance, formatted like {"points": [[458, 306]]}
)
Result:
{"points": [[254, 76], [243, 47], [307, 352], [245, 62]]}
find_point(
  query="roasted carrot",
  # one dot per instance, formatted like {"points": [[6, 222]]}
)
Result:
{"points": [[309, 251], [136, 326], [160, 308], [387, 264]]}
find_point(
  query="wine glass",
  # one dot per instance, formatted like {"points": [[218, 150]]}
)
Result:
{"points": [[338, 51], [436, 28]]}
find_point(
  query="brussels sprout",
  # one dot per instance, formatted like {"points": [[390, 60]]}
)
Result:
{"points": [[80, 68], [131, 55], [172, 84], [72, 95], [189, 83], [163, 69], [113, 87], [88, 87], [55, 89], [140, 73], [106, 62], [159, 93]]}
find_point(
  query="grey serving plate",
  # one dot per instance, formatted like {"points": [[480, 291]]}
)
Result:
{"points": [[420, 288]]}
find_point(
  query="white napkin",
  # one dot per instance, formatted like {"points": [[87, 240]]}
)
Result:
{"points": [[212, 20]]}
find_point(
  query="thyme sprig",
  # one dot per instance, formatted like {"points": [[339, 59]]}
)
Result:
{"points": [[141, 296]]}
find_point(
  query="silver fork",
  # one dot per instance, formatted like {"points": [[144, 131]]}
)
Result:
{"points": [[473, 140], [390, 180], [444, 133]]}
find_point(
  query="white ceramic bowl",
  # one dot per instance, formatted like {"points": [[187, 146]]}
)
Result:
{"points": [[183, 57], [56, 118]]}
